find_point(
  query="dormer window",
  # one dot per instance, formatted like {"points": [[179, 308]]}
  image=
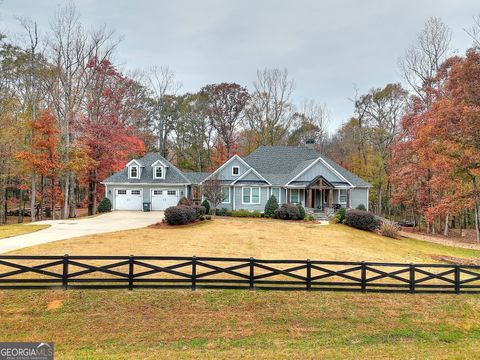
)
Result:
{"points": [[235, 170], [134, 172], [158, 172]]}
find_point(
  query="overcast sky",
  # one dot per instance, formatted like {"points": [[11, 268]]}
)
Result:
{"points": [[328, 46]]}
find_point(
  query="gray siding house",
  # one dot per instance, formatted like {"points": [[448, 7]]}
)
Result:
{"points": [[291, 174]]}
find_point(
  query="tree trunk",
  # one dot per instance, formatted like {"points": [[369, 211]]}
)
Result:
{"points": [[73, 203], [445, 231], [477, 219], [42, 199], [20, 208], [33, 194], [53, 197], [66, 197]]}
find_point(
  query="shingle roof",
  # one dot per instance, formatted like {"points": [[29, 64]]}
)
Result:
{"points": [[172, 175], [279, 164], [196, 177]]}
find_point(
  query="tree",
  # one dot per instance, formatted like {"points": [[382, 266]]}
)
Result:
{"points": [[212, 191], [225, 107], [106, 132], [270, 111], [423, 58], [310, 123]]}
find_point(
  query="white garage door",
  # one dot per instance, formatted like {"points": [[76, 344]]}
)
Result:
{"points": [[164, 198], [128, 199]]}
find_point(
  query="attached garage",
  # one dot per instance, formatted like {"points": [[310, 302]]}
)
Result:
{"points": [[164, 198], [128, 199]]}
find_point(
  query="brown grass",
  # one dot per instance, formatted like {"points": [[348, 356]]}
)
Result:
{"points": [[269, 239], [19, 229]]}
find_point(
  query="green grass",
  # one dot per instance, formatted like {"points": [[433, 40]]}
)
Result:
{"points": [[19, 229], [153, 324]]}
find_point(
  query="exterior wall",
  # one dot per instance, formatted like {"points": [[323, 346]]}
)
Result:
{"points": [[319, 169], [359, 196], [226, 172], [251, 177], [146, 189]]}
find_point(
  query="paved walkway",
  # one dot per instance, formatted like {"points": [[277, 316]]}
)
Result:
{"points": [[66, 229]]}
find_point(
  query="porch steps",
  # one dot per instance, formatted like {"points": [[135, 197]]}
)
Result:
{"points": [[324, 215]]}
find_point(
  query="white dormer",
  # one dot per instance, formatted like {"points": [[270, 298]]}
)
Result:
{"points": [[134, 169], [159, 170]]}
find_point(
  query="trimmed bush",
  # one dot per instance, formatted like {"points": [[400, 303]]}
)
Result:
{"points": [[361, 207], [246, 213], [180, 215], [223, 212], [206, 205], [363, 220], [199, 211], [389, 229], [184, 201], [339, 216], [301, 211], [287, 212], [104, 206], [271, 206]]}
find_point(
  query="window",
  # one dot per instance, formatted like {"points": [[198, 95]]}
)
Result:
{"points": [[158, 172], [157, 192], [276, 193], [172, 192], [121, 192], [251, 195], [135, 192], [295, 196], [134, 172], [342, 196], [226, 194], [235, 170]]}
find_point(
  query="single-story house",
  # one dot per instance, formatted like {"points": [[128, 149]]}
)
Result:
{"points": [[291, 174]]}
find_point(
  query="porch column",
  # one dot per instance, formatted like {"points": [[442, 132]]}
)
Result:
{"points": [[348, 198], [330, 198]]}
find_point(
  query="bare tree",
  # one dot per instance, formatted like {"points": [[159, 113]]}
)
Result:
{"points": [[312, 123], [212, 191], [70, 48], [270, 111], [161, 82], [474, 31], [423, 58], [225, 108]]}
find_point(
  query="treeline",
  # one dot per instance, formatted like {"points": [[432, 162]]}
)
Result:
{"points": [[69, 117]]}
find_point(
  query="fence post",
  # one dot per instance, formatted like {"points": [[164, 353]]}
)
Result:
{"points": [[65, 272], [309, 275], [364, 277], [457, 279], [252, 273], [130, 272], [194, 273], [412, 278]]}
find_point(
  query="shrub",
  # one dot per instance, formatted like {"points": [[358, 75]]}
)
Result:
{"points": [[301, 211], [206, 205], [245, 213], [287, 212], [104, 206], [223, 212], [339, 216], [199, 211], [389, 229], [180, 215], [184, 201], [271, 206], [363, 220], [208, 217], [361, 207]]}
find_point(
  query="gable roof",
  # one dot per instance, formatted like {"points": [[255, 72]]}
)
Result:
{"points": [[172, 176], [280, 164]]}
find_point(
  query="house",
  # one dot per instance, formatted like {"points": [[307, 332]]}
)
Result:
{"points": [[291, 174]]}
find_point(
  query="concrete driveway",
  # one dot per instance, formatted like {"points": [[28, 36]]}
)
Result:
{"points": [[66, 229]]}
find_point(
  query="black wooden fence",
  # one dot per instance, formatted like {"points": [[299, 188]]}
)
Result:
{"points": [[131, 272]]}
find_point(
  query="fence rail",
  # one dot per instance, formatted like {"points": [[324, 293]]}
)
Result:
{"points": [[132, 272]]}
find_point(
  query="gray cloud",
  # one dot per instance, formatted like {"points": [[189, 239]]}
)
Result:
{"points": [[327, 47]]}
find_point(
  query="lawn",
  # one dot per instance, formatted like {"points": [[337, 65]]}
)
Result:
{"points": [[164, 324], [265, 239], [157, 324], [19, 229]]}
